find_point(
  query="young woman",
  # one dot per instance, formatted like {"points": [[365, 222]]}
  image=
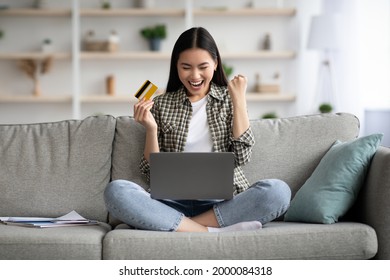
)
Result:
{"points": [[200, 112]]}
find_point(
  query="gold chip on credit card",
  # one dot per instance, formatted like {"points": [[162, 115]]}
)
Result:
{"points": [[146, 90]]}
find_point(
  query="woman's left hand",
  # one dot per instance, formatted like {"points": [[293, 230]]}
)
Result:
{"points": [[237, 88]]}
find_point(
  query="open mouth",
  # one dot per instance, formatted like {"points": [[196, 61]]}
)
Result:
{"points": [[196, 84]]}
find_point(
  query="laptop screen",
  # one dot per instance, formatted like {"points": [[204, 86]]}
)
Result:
{"points": [[191, 175]]}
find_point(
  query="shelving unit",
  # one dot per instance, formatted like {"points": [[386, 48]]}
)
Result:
{"points": [[125, 55], [159, 55], [260, 55], [35, 99], [33, 55], [245, 12], [181, 12], [260, 97], [108, 99], [75, 56], [36, 12], [136, 12]]}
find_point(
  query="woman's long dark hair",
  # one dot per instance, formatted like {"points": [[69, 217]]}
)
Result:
{"points": [[196, 37]]}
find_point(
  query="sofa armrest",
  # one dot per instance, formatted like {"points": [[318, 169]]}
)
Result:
{"points": [[375, 200]]}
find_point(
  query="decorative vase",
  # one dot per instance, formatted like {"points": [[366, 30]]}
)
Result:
{"points": [[155, 44], [110, 85], [47, 46], [37, 87], [113, 41]]}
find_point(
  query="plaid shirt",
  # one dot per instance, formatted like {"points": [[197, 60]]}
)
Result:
{"points": [[172, 112]]}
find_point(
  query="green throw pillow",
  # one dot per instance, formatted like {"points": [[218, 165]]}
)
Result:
{"points": [[335, 183]]}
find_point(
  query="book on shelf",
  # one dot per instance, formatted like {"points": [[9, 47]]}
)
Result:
{"points": [[71, 219]]}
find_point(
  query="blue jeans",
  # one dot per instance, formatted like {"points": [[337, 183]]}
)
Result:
{"points": [[264, 201]]}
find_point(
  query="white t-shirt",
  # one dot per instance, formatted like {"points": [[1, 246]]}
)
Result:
{"points": [[199, 136]]}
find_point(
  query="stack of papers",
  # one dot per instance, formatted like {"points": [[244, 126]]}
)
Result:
{"points": [[71, 219]]}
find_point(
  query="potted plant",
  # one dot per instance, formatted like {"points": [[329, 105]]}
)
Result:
{"points": [[34, 69], [47, 46], [106, 5], [154, 34], [228, 70], [325, 108], [270, 115]]}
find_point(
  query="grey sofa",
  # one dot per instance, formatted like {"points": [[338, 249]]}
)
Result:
{"points": [[49, 169]]}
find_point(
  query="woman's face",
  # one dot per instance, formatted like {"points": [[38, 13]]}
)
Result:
{"points": [[196, 69]]}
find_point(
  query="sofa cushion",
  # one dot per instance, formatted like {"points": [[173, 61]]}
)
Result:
{"points": [[128, 149], [64, 243], [291, 148], [335, 184], [49, 169], [277, 240]]}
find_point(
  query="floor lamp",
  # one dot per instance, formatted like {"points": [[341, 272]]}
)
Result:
{"points": [[324, 36]]}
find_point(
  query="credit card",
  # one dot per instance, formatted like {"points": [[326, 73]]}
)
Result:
{"points": [[146, 90]]}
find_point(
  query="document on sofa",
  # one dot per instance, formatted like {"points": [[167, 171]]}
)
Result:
{"points": [[71, 219]]}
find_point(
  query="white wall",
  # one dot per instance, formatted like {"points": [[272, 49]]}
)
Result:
{"points": [[308, 60], [374, 53], [364, 61], [374, 67]]}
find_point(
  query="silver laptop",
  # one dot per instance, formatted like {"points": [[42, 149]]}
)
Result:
{"points": [[191, 175]]}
